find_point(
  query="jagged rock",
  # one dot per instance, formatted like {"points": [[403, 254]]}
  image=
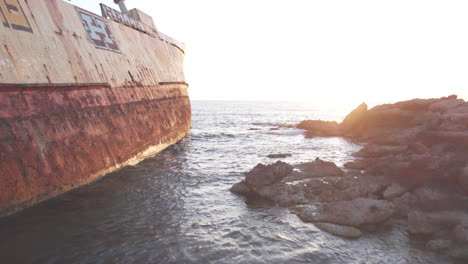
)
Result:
{"points": [[444, 105], [319, 128], [393, 191], [284, 194], [344, 188], [353, 118], [339, 230], [319, 168], [355, 213], [438, 245], [279, 156], [262, 175], [416, 104], [241, 188]]}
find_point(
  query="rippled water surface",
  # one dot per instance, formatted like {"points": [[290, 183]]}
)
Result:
{"points": [[176, 207]]}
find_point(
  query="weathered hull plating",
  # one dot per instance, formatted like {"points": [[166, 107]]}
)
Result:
{"points": [[71, 111]]}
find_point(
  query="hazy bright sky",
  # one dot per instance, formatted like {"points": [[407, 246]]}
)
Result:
{"points": [[321, 51]]}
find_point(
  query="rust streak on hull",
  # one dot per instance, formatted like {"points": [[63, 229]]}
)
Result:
{"points": [[72, 111]]}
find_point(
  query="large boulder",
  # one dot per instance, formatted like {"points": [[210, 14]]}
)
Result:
{"points": [[262, 175], [319, 128], [355, 213], [319, 168], [353, 118], [241, 188], [405, 204], [394, 190], [284, 194]]}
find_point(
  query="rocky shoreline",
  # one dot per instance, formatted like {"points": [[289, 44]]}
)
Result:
{"points": [[412, 169]]}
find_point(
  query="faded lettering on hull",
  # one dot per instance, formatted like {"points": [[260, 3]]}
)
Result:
{"points": [[119, 17], [98, 31], [12, 15]]}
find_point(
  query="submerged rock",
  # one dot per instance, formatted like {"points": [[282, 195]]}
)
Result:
{"points": [[339, 230], [279, 156]]}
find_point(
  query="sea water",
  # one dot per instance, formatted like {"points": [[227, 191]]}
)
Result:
{"points": [[176, 207]]}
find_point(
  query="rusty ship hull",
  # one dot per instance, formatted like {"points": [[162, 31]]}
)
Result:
{"points": [[82, 95]]}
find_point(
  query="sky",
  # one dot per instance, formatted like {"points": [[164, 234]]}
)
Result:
{"points": [[333, 51]]}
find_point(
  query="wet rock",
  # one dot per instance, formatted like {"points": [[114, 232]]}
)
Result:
{"points": [[426, 223], [339, 230], [358, 164], [319, 168], [262, 175], [284, 194], [438, 245], [438, 197], [405, 204], [279, 156], [355, 213], [420, 224], [241, 188], [393, 191], [332, 189], [319, 128]]}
